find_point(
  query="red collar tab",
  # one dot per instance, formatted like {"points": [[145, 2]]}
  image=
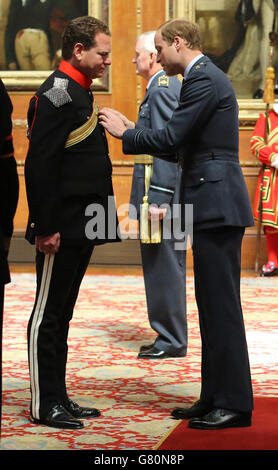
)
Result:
{"points": [[75, 74]]}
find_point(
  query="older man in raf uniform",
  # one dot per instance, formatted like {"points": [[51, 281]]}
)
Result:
{"points": [[157, 182]]}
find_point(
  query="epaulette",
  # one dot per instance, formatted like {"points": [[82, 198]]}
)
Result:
{"points": [[58, 94], [163, 80], [199, 65]]}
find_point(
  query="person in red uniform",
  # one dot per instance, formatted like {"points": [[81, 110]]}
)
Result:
{"points": [[267, 154]]}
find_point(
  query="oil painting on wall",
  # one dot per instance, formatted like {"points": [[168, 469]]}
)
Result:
{"points": [[235, 37], [30, 36]]}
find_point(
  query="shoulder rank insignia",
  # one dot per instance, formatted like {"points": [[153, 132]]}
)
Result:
{"points": [[58, 94], [163, 80], [199, 65]]}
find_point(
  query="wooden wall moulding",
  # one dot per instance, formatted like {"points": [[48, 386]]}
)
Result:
{"points": [[23, 71]]}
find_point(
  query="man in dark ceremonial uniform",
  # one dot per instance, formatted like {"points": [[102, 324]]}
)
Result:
{"points": [[67, 169], [8, 199]]}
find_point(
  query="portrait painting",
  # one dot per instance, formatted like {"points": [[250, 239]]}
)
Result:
{"points": [[235, 37], [30, 38]]}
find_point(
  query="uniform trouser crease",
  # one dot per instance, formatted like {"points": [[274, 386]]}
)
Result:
{"points": [[58, 280]]}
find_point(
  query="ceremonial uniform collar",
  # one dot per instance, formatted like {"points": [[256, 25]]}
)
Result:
{"points": [[75, 74]]}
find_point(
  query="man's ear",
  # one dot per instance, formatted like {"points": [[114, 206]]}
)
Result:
{"points": [[78, 50], [177, 42], [152, 57]]}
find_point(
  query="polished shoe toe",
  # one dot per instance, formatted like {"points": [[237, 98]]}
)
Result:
{"points": [[197, 410], [155, 353], [146, 347], [221, 418], [81, 412], [59, 417]]}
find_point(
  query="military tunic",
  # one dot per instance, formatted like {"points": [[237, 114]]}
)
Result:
{"points": [[62, 180], [160, 100], [67, 170]]}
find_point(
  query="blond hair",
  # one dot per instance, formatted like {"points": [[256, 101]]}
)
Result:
{"points": [[184, 28]]}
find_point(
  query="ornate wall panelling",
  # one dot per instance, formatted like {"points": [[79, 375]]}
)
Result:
{"points": [[123, 90]]}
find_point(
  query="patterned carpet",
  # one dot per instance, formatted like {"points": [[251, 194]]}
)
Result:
{"points": [[135, 397]]}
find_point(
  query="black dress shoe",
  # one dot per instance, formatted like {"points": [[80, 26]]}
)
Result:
{"points": [[59, 417], [221, 418], [269, 269], [155, 353], [80, 412], [146, 347], [273, 273], [197, 410]]}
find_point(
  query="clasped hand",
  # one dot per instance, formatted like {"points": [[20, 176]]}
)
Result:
{"points": [[48, 244]]}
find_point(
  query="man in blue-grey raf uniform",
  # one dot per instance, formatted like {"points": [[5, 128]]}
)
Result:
{"points": [[67, 169], [204, 132], [157, 182]]}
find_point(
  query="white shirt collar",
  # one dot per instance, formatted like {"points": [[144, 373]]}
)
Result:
{"points": [[151, 79]]}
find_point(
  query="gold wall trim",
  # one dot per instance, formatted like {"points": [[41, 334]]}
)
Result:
{"points": [[115, 163], [130, 164], [19, 123], [249, 110], [181, 8], [248, 164], [245, 123]]}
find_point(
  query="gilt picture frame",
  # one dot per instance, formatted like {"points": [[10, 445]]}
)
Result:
{"points": [[20, 76], [234, 43]]}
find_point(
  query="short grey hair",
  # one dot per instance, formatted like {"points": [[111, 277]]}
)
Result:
{"points": [[147, 39]]}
